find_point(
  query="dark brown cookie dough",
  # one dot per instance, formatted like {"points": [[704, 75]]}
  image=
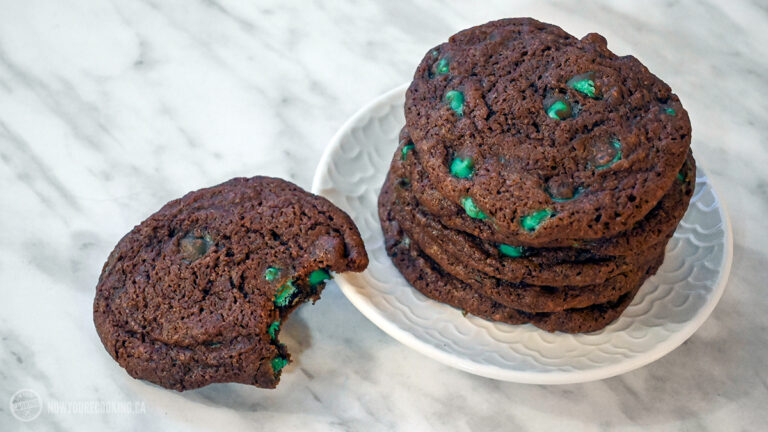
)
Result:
{"points": [[549, 136], [428, 278], [196, 293]]}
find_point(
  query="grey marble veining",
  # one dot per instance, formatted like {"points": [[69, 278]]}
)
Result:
{"points": [[108, 109]]}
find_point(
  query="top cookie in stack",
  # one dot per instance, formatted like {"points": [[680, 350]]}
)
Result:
{"points": [[539, 177]]}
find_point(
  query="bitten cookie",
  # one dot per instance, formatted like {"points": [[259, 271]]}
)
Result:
{"points": [[544, 136], [197, 293]]}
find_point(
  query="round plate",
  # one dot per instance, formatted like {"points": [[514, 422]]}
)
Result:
{"points": [[666, 311]]}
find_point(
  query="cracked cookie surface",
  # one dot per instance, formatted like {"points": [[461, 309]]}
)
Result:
{"points": [[565, 139]]}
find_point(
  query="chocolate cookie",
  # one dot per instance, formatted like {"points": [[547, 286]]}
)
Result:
{"points": [[196, 293], [543, 136], [587, 264], [658, 225], [428, 278]]}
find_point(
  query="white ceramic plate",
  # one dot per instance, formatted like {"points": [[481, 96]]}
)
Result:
{"points": [[667, 310]]}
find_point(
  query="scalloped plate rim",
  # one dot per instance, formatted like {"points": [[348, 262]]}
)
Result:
{"points": [[372, 313]]}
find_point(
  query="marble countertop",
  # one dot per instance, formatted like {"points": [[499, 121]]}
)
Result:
{"points": [[108, 109]]}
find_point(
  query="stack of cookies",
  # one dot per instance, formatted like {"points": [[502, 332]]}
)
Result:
{"points": [[538, 178]]}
